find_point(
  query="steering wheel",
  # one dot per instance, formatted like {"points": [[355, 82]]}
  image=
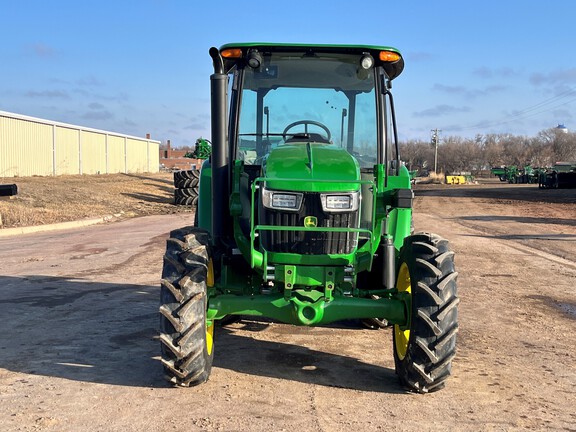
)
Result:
{"points": [[306, 123]]}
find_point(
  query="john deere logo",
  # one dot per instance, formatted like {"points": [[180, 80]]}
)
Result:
{"points": [[310, 222]]}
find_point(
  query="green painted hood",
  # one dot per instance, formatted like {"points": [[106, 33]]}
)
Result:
{"points": [[311, 167]]}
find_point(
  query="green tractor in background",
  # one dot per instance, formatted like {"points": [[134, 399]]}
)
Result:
{"points": [[305, 213], [202, 150]]}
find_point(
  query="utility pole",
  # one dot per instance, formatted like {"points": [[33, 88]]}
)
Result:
{"points": [[435, 141]]}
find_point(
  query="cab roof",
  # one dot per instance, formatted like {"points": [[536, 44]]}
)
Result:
{"points": [[393, 69]]}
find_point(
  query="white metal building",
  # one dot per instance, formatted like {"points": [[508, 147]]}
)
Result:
{"points": [[31, 146]]}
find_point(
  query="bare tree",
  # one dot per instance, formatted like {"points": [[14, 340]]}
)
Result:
{"points": [[417, 154], [457, 154], [561, 145], [565, 146], [514, 150], [490, 150], [539, 153]]}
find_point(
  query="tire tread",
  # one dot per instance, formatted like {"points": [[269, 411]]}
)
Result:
{"points": [[432, 345], [183, 293]]}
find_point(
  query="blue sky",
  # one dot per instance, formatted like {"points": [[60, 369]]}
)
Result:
{"points": [[137, 67]]}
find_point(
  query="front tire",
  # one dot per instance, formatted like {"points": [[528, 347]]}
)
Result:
{"points": [[186, 336], [424, 349]]}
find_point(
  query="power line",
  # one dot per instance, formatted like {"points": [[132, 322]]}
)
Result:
{"points": [[524, 113], [548, 101]]}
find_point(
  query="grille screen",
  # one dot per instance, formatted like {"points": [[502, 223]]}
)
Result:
{"points": [[309, 243]]}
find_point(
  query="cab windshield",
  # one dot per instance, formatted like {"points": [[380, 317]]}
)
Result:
{"points": [[322, 98]]}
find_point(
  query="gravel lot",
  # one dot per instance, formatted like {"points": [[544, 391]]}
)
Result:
{"points": [[78, 318]]}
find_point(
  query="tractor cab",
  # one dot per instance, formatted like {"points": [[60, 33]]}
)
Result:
{"points": [[306, 129], [290, 95]]}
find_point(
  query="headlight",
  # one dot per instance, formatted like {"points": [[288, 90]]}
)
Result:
{"points": [[340, 202], [277, 200]]}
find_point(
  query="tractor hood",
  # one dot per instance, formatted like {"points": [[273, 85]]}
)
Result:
{"points": [[311, 167]]}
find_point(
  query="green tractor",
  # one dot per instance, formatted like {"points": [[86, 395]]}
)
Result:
{"points": [[202, 150], [305, 213]]}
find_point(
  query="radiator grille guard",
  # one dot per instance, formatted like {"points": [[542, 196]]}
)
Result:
{"points": [[309, 242], [285, 231]]}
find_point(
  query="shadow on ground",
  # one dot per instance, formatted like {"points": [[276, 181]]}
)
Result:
{"points": [[151, 179], [237, 350], [152, 198], [519, 219], [528, 193], [97, 332]]}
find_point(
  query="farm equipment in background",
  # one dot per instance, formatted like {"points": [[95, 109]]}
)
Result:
{"points": [[514, 175], [561, 176], [499, 172], [459, 178], [202, 150], [528, 175], [307, 222]]}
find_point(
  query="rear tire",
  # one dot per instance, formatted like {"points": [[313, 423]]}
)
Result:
{"points": [[186, 183], [423, 351], [185, 174], [186, 192], [186, 339], [186, 201], [186, 196]]}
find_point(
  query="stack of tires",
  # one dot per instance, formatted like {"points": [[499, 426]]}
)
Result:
{"points": [[186, 187]]}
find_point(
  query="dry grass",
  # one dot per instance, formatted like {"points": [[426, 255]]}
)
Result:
{"points": [[46, 200]]}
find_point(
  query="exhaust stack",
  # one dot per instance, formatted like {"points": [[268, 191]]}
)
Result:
{"points": [[219, 158]]}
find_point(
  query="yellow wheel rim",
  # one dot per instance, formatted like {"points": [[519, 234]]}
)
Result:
{"points": [[210, 338], [402, 337], [210, 324]]}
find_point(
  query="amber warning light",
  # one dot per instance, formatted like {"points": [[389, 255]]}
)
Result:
{"points": [[389, 56], [232, 53]]}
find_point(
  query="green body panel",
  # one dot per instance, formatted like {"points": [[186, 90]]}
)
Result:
{"points": [[304, 309], [314, 164], [204, 208], [302, 47], [399, 219]]}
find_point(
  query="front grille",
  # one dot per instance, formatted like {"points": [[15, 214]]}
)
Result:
{"points": [[309, 243]]}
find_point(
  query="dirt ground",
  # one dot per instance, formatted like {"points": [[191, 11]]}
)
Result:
{"points": [[48, 200], [78, 319]]}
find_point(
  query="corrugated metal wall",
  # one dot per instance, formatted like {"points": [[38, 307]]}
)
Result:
{"points": [[93, 153], [18, 142], [67, 154], [31, 146]]}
